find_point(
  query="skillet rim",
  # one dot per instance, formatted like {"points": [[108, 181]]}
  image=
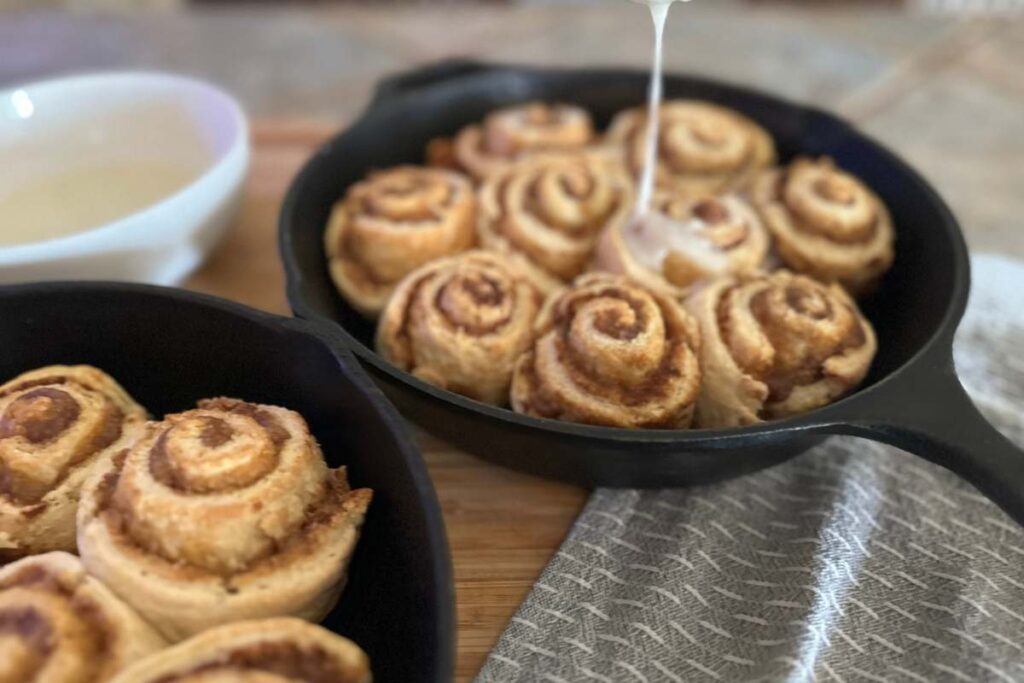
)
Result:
{"points": [[841, 412]]}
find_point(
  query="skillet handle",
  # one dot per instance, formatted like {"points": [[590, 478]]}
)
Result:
{"points": [[930, 414], [430, 74]]}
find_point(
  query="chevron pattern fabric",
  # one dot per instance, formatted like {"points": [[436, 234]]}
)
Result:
{"points": [[853, 562]]}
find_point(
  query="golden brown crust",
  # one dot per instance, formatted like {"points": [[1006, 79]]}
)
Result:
{"points": [[460, 323], [775, 346], [686, 240], [702, 147], [826, 223], [611, 352], [282, 650], [56, 425], [391, 224], [546, 212], [59, 624], [222, 513], [507, 134]]}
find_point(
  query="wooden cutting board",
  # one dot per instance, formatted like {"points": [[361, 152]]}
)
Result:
{"points": [[503, 527]]}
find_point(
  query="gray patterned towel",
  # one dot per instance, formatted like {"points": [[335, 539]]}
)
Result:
{"points": [[853, 562]]}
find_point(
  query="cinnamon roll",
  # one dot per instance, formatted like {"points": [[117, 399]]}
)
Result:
{"points": [[546, 212], [702, 147], [391, 224], [222, 513], [56, 425], [775, 346], [59, 624], [281, 650], [508, 133], [613, 353], [460, 323], [685, 240], [826, 223]]}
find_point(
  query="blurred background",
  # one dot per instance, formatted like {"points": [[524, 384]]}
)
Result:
{"points": [[940, 80]]}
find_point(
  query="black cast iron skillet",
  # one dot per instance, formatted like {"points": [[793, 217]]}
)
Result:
{"points": [[911, 399], [170, 348]]}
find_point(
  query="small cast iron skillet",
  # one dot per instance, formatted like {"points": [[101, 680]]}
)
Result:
{"points": [[170, 348], [912, 397]]}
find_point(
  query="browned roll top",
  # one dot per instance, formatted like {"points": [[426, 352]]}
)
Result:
{"points": [[702, 147], [826, 223], [263, 480], [460, 323], [804, 327], [611, 352], [509, 133], [777, 345], [546, 212], [392, 223]]}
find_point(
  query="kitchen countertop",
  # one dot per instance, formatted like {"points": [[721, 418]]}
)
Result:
{"points": [[945, 92]]}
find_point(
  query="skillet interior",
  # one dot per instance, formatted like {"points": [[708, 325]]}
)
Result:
{"points": [[919, 301]]}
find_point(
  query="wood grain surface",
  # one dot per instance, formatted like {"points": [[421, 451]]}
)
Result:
{"points": [[503, 527]]}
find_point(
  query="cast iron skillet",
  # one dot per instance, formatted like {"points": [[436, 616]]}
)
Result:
{"points": [[912, 397], [170, 348]]}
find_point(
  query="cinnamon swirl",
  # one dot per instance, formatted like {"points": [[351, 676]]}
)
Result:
{"points": [[702, 147], [826, 223], [222, 513], [506, 134], [392, 223], [59, 624], [775, 346], [56, 425], [460, 323], [613, 353], [546, 212]]}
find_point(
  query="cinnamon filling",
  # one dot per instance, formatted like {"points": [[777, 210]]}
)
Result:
{"points": [[42, 415], [310, 664], [277, 433], [30, 627], [216, 433], [711, 211], [484, 290], [484, 293], [39, 415], [35, 631]]}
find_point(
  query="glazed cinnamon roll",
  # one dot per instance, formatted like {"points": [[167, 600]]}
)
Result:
{"points": [[282, 650], [508, 133], [685, 240], [56, 425], [613, 353], [222, 513], [546, 212], [59, 624], [826, 223], [460, 323], [702, 147], [775, 346], [391, 224]]}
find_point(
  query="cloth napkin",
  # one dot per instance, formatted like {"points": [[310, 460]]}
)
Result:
{"points": [[852, 562]]}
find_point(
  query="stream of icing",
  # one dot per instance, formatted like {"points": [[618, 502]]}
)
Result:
{"points": [[652, 236]]}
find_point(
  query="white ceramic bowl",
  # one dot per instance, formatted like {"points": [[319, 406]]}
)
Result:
{"points": [[161, 243]]}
